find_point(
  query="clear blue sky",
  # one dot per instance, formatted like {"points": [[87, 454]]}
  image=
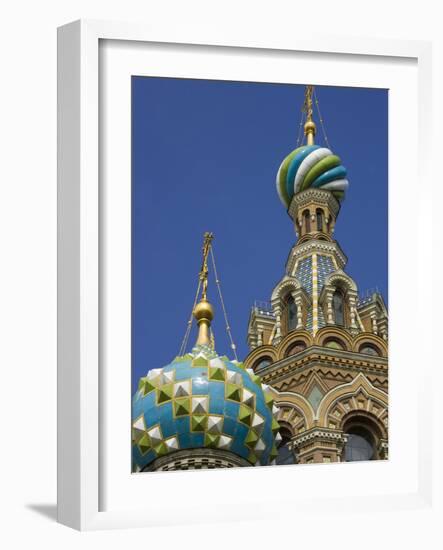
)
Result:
{"points": [[205, 157]]}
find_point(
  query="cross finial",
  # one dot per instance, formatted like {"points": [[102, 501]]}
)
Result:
{"points": [[204, 270], [310, 127], [203, 311]]}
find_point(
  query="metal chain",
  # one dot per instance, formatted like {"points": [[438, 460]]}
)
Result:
{"points": [[228, 328], [321, 121], [189, 326], [300, 127]]}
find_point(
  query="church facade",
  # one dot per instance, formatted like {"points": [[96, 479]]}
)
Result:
{"points": [[321, 346]]}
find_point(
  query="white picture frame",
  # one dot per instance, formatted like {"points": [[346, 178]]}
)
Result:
{"points": [[93, 494]]}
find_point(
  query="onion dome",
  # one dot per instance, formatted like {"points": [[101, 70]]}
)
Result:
{"points": [[310, 166], [203, 401]]}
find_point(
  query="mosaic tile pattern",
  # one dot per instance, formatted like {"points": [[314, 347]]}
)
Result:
{"points": [[202, 400], [325, 267], [303, 273], [309, 320]]}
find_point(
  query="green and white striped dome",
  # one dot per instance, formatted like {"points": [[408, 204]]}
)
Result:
{"points": [[311, 166]]}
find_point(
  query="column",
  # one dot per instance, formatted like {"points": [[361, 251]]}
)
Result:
{"points": [[329, 310], [353, 309], [299, 304], [374, 324], [277, 312], [314, 294], [259, 335]]}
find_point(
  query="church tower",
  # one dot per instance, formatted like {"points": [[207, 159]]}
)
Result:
{"points": [[320, 345]]}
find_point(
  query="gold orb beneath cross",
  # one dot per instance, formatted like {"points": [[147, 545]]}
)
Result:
{"points": [[310, 127], [204, 310]]}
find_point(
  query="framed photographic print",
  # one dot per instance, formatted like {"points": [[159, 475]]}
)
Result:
{"points": [[231, 247]]}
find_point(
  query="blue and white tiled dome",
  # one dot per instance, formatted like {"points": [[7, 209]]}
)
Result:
{"points": [[201, 400]]}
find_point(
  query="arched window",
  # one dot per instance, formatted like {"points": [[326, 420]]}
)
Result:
{"points": [[296, 347], [338, 306], [291, 312], [307, 220], [319, 215], [360, 444], [285, 454], [334, 343], [369, 349], [262, 363]]}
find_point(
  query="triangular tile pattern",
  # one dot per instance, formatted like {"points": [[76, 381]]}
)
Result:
{"points": [[203, 400]]}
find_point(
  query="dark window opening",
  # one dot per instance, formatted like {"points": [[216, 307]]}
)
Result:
{"points": [[333, 343], [319, 220], [360, 445], [285, 454], [338, 306], [262, 363], [307, 219], [296, 347], [369, 349], [291, 308]]}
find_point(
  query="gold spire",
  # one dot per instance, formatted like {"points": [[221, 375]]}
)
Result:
{"points": [[310, 127], [203, 311]]}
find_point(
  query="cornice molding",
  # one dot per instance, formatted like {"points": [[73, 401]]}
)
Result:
{"points": [[319, 433], [300, 200], [315, 246], [319, 356], [284, 384]]}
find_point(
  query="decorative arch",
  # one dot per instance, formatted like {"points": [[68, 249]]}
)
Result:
{"points": [[357, 415], [295, 347], [290, 303], [293, 409], [340, 279], [366, 436], [328, 332], [358, 396], [286, 285], [338, 298], [298, 335], [285, 424], [262, 362], [261, 351], [371, 339]]}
